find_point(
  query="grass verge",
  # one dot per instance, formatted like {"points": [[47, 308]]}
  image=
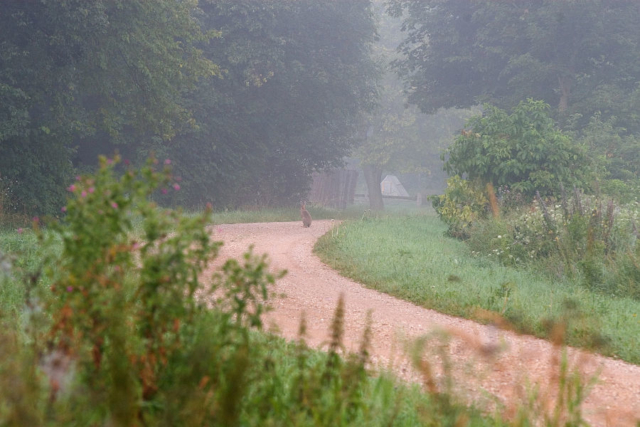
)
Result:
{"points": [[392, 208], [281, 215], [410, 258]]}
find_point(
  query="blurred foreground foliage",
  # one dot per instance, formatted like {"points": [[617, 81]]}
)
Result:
{"points": [[125, 327]]}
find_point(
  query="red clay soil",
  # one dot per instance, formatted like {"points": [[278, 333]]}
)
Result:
{"points": [[490, 364]]}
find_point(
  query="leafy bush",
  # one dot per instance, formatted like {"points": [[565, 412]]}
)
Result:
{"points": [[509, 198], [573, 236], [623, 191], [523, 149], [462, 203], [616, 150], [120, 309]]}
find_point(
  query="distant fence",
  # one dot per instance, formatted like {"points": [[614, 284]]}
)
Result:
{"points": [[334, 189], [384, 196]]}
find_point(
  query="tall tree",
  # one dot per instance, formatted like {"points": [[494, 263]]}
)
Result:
{"points": [[79, 68], [295, 76], [578, 56], [395, 136], [84, 77]]}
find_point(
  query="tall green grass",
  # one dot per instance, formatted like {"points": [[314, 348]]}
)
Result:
{"points": [[409, 257], [19, 255]]}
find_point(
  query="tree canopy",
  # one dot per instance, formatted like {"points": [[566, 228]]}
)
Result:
{"points": [[295, 77], [80, 68], [246, 97], [578, 56], [397, 137]]}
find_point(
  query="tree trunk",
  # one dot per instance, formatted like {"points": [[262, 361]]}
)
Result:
{"points": [[565, 93], [373, 177]]}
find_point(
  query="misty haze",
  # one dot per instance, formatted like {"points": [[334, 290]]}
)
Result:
{"points": [[319, 212]]}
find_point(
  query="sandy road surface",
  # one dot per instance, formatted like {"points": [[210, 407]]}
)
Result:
{"points": [[314, 288]]}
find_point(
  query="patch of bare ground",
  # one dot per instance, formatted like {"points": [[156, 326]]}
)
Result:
{"points": [[489, 365]]}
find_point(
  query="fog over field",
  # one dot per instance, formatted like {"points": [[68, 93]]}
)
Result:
{"points": [[248, 99], [478, 159]]}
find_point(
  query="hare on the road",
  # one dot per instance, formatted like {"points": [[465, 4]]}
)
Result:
{"points": [[306, 216]]}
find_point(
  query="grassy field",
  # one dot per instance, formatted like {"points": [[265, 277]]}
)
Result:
{"points": [[409, 257]]}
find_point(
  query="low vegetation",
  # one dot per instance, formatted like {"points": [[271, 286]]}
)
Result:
{"points": [[413, 259], [107, 320]]}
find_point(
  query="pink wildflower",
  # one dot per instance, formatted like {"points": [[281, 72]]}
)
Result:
{"points": [[78, 177], [69, 288], [92, 189], [20, 230], [72, 187], [109, 161], [167, 162], [63, 209], [83, 194], [114, 205], [176, 187], [164, 191]]}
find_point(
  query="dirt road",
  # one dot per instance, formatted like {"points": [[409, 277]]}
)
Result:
{"points": [[489, 363]]}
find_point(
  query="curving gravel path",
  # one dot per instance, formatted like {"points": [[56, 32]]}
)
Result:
{"points": [[490, 364]]}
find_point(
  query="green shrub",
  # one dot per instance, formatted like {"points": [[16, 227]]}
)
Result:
{"points": [[462, 203], [121, 308], [494, 238], [523, 149], [622, 191], [579, 236]]}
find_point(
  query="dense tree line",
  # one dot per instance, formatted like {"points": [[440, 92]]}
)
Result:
{"points": [[248, 97], [296, 76], [580, 57], [76, 71], [245, 97]]}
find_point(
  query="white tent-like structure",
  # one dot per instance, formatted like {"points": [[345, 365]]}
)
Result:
{"points": [[391, 186]]}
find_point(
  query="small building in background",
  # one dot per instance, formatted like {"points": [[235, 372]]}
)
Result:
{"points": [[391, 186]]}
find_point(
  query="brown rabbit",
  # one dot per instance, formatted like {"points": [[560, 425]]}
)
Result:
{"points": [[306, 216]]}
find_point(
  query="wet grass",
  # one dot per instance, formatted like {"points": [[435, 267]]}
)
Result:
{"points": [[410, 258]]}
